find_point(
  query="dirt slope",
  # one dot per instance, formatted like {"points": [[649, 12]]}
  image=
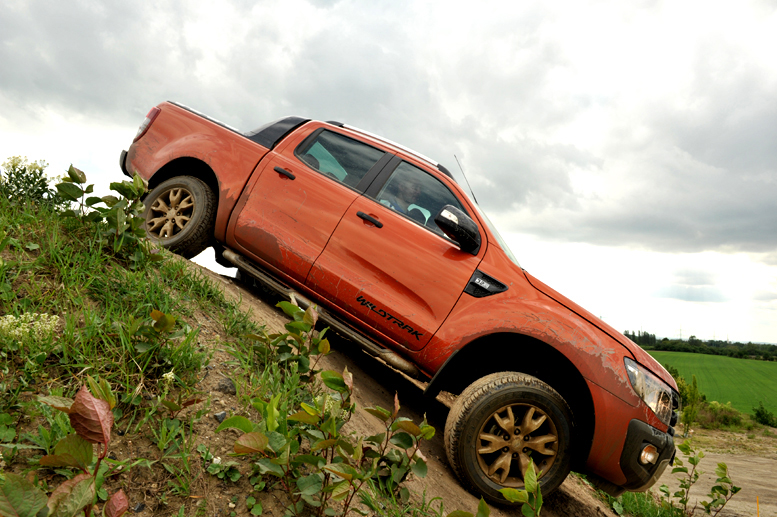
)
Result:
{"points": [[375, 384]]}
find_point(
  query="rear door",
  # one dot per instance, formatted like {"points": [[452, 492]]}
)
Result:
{"points": [[300, 192], [387, 263]]}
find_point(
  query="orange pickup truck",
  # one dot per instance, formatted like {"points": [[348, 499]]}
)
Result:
{"points": [[402, 261]]}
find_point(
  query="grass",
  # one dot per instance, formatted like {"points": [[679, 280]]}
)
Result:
{"points": [[743, 382], [137, 324]]}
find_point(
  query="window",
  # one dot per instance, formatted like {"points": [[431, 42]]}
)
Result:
{"points": [[338, 156], [417, 194]]}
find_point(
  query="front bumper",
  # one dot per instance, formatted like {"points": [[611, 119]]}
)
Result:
{"points": [[639, 476]]}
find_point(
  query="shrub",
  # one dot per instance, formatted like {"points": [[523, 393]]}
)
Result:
{"points": [[764, 416], [715, 415], [22, 181]]}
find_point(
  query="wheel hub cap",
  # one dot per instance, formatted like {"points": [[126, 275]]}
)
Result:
{"points": [[510, 438], [170, 213]]}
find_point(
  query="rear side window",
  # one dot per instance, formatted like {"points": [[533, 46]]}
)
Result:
{"points": [[343, 159], [417, 194]]}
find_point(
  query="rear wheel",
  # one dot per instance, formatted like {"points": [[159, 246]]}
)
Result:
{"points": [[180, 214], [500, 423]]}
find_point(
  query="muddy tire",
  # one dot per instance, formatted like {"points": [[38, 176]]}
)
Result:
{"points": [[180, 214], [501, 421]]}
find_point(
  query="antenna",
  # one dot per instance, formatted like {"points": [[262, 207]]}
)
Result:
{"points": [[465, 179]]}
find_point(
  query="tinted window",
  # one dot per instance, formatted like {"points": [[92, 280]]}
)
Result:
{"points": [[342, 158], [417, 194]]}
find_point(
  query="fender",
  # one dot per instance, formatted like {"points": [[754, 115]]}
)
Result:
{"points": [[178, 133]]}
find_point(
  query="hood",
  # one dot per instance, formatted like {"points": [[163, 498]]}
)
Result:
{"points": [[633, 349]]}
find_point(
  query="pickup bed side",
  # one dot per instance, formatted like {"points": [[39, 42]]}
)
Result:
{"points": [[181, 142]]}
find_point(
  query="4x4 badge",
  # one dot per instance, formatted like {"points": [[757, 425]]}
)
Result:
{"points": [[389, 317]]}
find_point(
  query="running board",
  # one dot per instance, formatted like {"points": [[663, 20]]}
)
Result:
{"points": [[341, 327]]}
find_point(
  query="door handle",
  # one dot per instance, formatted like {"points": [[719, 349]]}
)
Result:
{"points": [[370, 219], [286, 173]]}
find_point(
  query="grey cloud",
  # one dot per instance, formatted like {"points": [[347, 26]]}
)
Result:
{"points": [[703, 179], [691, 293], [765, 296]]}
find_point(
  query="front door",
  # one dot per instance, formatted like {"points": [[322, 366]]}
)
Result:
{"points": [[389, 265]]}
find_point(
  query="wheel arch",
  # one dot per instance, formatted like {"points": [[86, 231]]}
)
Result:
{"points": [[186, 166], [525, 354]]}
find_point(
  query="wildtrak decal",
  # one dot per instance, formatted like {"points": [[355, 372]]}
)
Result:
{"points": [[383, 314]]}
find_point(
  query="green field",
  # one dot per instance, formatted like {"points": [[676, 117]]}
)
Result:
{"points": [[743, 382]]}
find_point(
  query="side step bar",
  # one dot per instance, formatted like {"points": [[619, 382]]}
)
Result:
{"points": [[340, 326]]}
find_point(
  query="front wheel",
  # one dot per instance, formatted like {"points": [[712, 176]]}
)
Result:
{"points": [[180, 214], [500, 423]]}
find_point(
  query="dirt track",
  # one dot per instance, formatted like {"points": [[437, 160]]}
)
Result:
{"points": [[375, 384]]}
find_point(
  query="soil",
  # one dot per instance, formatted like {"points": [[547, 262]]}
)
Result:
{"points": [[752, 464], [751, 460], [376, 384]]}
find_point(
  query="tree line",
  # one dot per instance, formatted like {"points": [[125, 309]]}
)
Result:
{"points": [[763, 352]]}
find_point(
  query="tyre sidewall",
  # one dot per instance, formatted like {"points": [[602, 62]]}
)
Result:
{"points": [[199, 190], [480, 411]]}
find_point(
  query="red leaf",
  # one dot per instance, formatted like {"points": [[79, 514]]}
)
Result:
{"points": [[396, 405], [64, 492], [116, 505], [251, 442], [91, 418]]}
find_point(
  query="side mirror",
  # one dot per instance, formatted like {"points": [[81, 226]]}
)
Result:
{"points": [[460, 228]]}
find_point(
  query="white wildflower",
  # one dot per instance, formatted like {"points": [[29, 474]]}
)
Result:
{"points": [[29, 325]]}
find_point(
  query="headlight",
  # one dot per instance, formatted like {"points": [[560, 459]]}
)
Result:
{"points": [[655, 392]]}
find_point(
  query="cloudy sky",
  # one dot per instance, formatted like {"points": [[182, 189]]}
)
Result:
{"points": [[626, 150]]}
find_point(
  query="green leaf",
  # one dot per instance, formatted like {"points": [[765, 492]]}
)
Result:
{"points": [[110, 201], [266, 466], [277, 441], [304, 417], [290, 309], [324, 347], [251, 443], [483, 509], [69, 191], [342, 470], [124, 188], [70, 451], [310, 317], [236, 422], [32, 246], [514, 495], [61, 403], [310, 485], [76, 175], [101, 390], [340, 491], [137, 183], [93, 200], [407, 426], [419, 468], [19, 497], [334, 381], [379, 412], [162, 322], [402, 440], [530, 479], [323, 444], [460, 513]]}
